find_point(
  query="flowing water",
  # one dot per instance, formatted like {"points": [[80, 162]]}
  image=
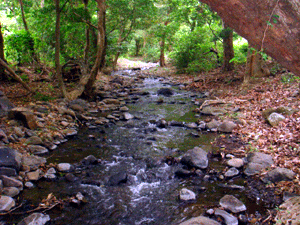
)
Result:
{"points": [[139, 148]]}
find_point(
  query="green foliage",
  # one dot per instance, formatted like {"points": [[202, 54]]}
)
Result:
{"points": [[42, 97], [192, 51], [240, 52], [18, 47], [151, 53], [289, 78]]}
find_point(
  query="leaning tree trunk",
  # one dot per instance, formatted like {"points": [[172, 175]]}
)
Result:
{"points": [[228, 48], [87, 81], [57, 51], [1, 53], [272, 26]]}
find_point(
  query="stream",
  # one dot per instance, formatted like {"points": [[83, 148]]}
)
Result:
{"points": [[142, 151]]}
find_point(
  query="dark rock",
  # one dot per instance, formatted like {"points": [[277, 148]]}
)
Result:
{"points": [[182, 173], [165, 92], [89, 160], [10, 158], [70, 177], [228, 218], [35, 219], [231, 203], [162, 123], [8, 171], [11, 191], [176, 124], [11, 182], [118, 178], [3, 136], [195, 157], [279, 174]]}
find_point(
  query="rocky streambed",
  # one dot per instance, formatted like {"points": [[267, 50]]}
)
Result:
{"points": [[140, 153]]}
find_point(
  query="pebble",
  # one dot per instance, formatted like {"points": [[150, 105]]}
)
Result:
{"points": [[186, 195]]}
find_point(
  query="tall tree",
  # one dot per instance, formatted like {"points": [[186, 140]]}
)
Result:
{"points": [[228, 48]]}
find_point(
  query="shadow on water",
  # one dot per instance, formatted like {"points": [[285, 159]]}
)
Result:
{"points": [[138, 147]]}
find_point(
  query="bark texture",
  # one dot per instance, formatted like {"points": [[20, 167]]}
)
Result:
{"points": [[1, 53], [228, 48], [249, 18]]}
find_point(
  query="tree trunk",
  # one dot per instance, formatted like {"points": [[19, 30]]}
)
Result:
{"points": [[162, 62], [137, 46], [1, 53], [57, 51], [23, 15], [251, 19], [228, 48], [87, 38]]}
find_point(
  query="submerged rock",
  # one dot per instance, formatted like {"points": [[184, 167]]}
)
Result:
{"points": [[118, 178], [165, 92], [35, 219]]}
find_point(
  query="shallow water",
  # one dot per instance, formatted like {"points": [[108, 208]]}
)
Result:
{"points": [[139, 148]]}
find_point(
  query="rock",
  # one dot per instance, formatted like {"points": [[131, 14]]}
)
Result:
{"points": [[37, 149], [235, 162], [111, 101], [257, 162], [10, 158], [35, 219], [176, 124], [77, 108], [195, 157], [3, 137], [32, 161], [232, 172], [64, 167], [5, 105], [29, 184], [228, 218], [6, 203], [212, 111], [25, 116], [128, 116], [165, 92], [18, 131], [33, 176], [8, 171], [232, 204], [34, 140], [10, 191], [162, 123], [66, 111], [118, 178], [50, 174], [275, 118], [11, 182], [186, 195], [191, 125], [201, 220], [70, 132], [214, 124], [283, 110], [182, 173], [226, 126], [124, 109], [89, 160], [279, 174], [289, 211]]}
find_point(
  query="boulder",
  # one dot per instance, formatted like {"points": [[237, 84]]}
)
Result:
{"points": [[35, 219], [186, 195], [228, 218], [8, 171], [212, 111], [25, 116], [32, 161], [214, 124], [10, 158], [34, 140], [201, 220], [275, 118], [232, 204], [227, 126], [11, 182], [6, 203], [279, 174], [257, 162], [195, 157]]}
